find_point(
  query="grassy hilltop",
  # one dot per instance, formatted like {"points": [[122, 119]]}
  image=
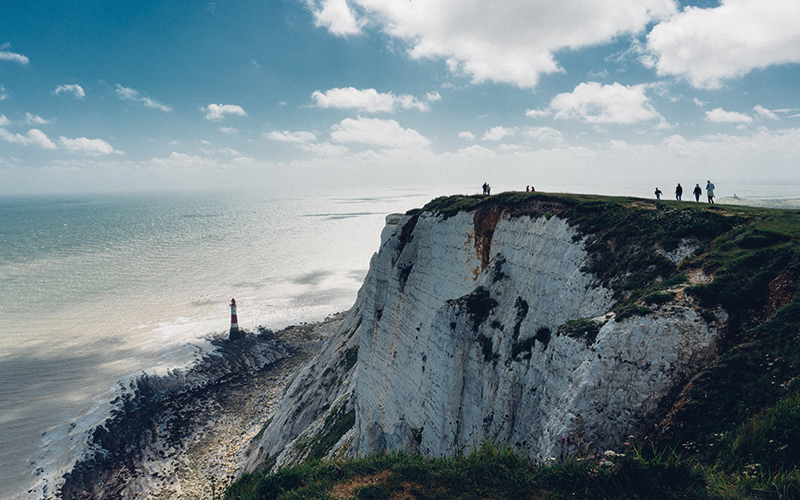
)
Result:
{"points": [[732, 432]]}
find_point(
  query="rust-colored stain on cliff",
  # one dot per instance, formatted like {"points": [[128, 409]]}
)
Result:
{"points": [[484, 222]]}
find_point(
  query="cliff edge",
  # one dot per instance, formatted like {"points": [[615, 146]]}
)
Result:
{"points": [[552, 323]]}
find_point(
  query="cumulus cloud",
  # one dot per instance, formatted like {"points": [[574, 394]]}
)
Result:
{"points": [[544, 134], [295, 137], [498, 133], [216, 112], [510, 42], [370, 100], [93, 147], [707, 46], [4, 122], [600, 104], [34, 137], [35, 120], [377, 132], [128, 94], [6, 55], [719, 115], [76, 91], [765, 113], [466, 135], [538, 113], [336, 16]]}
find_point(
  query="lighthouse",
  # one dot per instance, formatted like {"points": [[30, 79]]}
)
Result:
{"points": [[235, 332]]}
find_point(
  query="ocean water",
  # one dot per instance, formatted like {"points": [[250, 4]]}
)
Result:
{"points": [[97, 289]]}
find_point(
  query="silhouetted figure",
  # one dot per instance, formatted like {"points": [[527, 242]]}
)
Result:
{"points": [[678, 192], [658, 194], [697, 192]]}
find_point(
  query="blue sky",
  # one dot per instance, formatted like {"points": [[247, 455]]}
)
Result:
{"points": [[608, 96]]}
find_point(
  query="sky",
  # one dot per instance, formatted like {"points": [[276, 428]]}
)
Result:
{"points": [[603, 96]]}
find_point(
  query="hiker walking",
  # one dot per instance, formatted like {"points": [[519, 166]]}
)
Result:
{"points": [[658, 194], [710, 191], [697, 192], [678, 192]]}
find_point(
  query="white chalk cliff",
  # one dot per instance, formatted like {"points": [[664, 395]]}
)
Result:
{"points": [[462, 327]]}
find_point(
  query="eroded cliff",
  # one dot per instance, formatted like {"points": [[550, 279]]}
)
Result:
{"points": [[540, 322]]}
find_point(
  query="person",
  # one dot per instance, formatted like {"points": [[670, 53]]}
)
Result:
{"points": [[710, 191], [484, 187], [678, 192], [697, 192], [533, 190], [527, 189], [658, 194], [488, 189]]}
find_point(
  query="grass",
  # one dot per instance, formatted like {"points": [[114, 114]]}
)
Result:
{"points": [[499, 472]]}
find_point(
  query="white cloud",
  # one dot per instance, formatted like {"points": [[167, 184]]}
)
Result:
{"points": [[294, 137], [719, 115], [498, 133], [370, 100], [75, 90], [216, 112], [538, 113], [376, 132], [5, 55], [4, 122], [765, 113], [183, 161], [513, 41], [707, 46], [128, 94], [598, 104], [93, 147], [35, 120], [698, 102], [336, 16], [3, 93], [544, 134], [228, 130], [466, 135], [34, 137]]}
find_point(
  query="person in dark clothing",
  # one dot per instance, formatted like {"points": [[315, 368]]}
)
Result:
{"points": [[697, 192], [678, 192], [658, 194]]}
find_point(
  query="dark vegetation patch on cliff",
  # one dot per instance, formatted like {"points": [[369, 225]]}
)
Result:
{"points": [[478, 305]]}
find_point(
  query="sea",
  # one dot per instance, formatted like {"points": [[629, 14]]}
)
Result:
{"points": [[96, 290]]}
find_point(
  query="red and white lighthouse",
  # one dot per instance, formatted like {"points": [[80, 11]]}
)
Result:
{"points": [[235, 333]]}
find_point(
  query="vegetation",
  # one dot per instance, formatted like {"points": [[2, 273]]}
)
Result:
{"points": [[732, 432], [499, 472]]}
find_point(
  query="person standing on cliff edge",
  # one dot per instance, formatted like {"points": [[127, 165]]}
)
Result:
{"points": [[658, 194], [678, 192], [710, 191], [697, 192]]}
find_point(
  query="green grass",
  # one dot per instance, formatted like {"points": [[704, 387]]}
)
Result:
{"points": [[498, 472]]}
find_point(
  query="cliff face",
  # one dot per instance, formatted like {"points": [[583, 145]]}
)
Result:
{"points": [[460, 341], [488, 324]]}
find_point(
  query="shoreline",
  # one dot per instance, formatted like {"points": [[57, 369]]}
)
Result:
{"points": [[185, 435]]}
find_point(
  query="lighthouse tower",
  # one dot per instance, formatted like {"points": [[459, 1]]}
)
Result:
{"points": [[235, 332]]}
